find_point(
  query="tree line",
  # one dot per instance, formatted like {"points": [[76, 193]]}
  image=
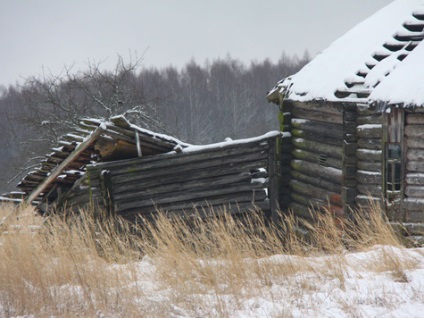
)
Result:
{"points": [[198, 103]]}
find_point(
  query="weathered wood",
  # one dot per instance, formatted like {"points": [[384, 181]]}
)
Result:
{"points": [[373, 131], [415, 178], [317, 116], [414, 216], [370, 119], [324, 107], [370, 189], [315, 192], [141, 191], [372, 144], [56, 172], [414, 131], [315, 137], [368, 177], [138, 183], [314, 170], [414, 204], [367, 200], [369, 155], [416, 191], [301, 211], [415, 154], [319, 148], [369, 166], [415, 166], [273, 173], [415, 142], [316, 158], [312, 203], [248, 192], [203, 159], [326, 129], [415, 119], [318, 182]]}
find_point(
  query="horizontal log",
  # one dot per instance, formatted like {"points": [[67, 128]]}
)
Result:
{"points": [[143, 190], [370, 189], [316, 158], [370, 119], [223, 195], [319, 148], [170, 159], [414, 130], [415, 178], [318, 182], [317, 116], [415, 191], [315, 137], [415, 166], [368, 177], [312, 203], [372, 144], [369, 155], [229, 164], [415, 154], [370, 131], [314, 170], [301, 211], [365, 201], [316, 192], [369, 166], [323, 107], [414, 119], [325, 129], [414, 204], [415, 142], [414, 217]]}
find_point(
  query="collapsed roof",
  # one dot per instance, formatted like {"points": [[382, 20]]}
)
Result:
{"points": [[363, 59], [94, 140]]}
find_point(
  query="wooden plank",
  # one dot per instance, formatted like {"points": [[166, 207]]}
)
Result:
{"points": [[316, 158], [372, 144], [58, 170], [314, 170], [316, 192], [324, 107], [414, 204], [315, 137], [319, 148], [415, 142], [370, 189], [415, 166], [224, 193], [317, 116], [141, 174], [165, 161], [368, 177], [369, 166], [414, 130], [273, 173], [370, 119], [318, 182], [321, 128], [369, 155], [374, 131], [415, 154], [142, 181], [415, 119], [415, 178], [416, 191]]}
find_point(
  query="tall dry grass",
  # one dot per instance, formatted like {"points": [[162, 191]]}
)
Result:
{"points": [[70, 265]]}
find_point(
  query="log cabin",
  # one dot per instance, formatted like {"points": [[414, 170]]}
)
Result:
{"points": [[118, 167], [356, 120]]}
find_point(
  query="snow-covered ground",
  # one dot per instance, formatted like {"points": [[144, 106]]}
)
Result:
{"points": [[382, 282]]}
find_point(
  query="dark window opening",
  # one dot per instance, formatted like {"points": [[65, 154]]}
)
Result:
{"points": [[393, 167]]}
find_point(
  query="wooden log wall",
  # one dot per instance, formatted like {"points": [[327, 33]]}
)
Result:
{"points": [[317, 152], [369, 156], [413, 204], [239, 176]]}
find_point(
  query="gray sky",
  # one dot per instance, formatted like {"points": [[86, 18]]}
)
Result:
{"points": [[54, 33]]}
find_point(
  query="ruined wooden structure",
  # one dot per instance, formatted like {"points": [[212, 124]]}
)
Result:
{"points": [[122, 169], [351, 141]]}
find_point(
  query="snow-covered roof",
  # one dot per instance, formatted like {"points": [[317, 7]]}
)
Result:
{"points": [[406, 83], [360, 60]]}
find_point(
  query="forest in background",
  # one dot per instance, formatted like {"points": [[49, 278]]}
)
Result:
{"points": [[197, 103]]}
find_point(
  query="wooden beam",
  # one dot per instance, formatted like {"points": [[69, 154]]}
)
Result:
{"points": [[58, 170]]}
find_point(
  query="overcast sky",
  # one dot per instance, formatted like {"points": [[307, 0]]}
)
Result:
{"points": [[53, 33]]}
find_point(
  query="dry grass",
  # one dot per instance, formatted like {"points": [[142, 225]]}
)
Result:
{"points": [[71, 266]]}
